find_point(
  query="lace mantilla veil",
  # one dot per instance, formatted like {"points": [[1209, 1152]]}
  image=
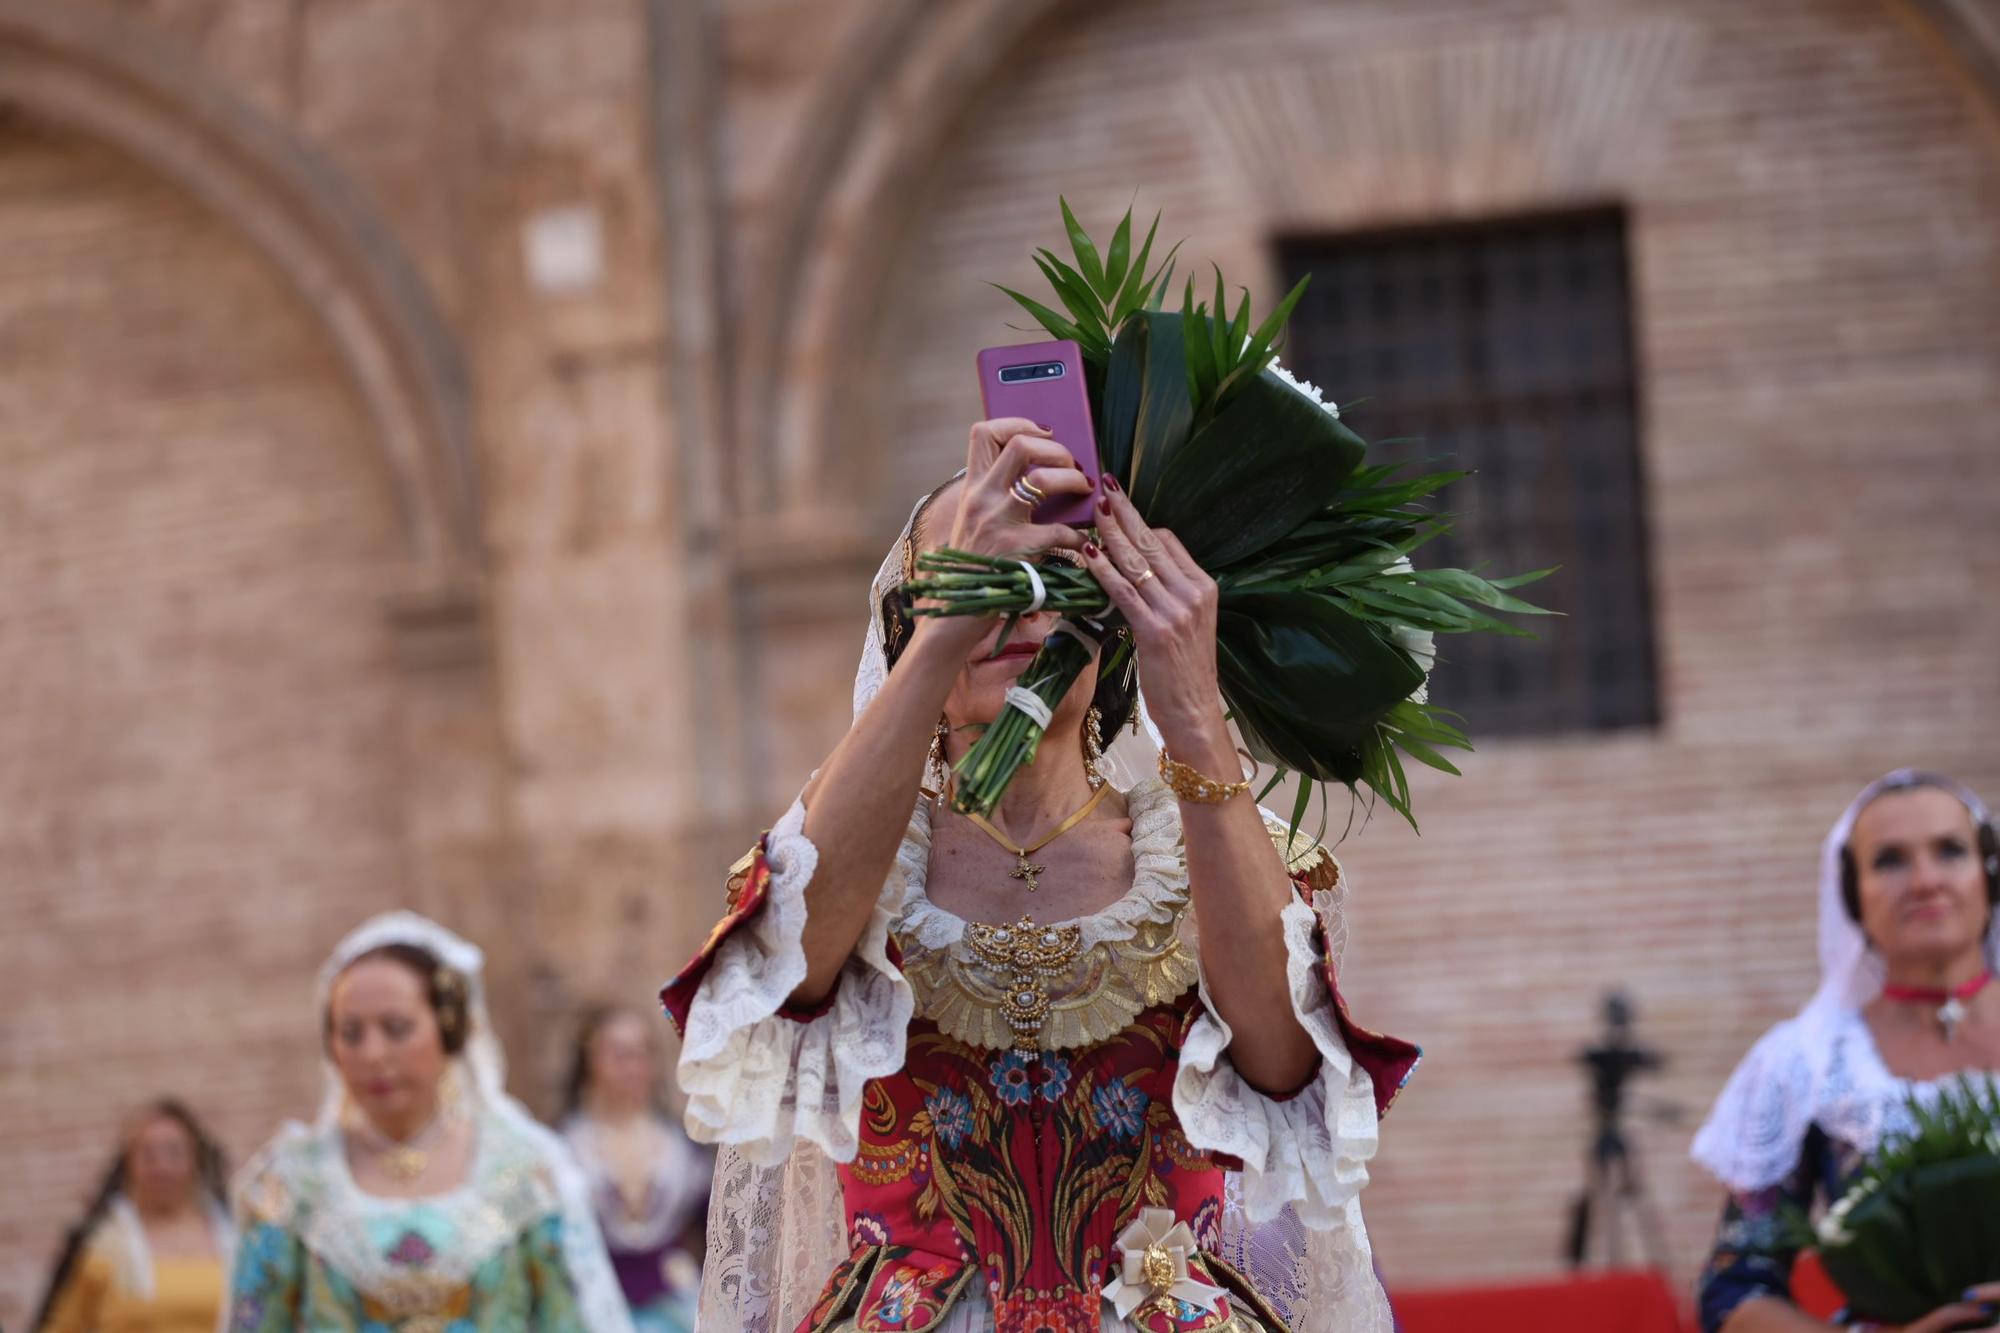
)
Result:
{"points": [[776, 1233], [1791, 1078], [482, 1069]]}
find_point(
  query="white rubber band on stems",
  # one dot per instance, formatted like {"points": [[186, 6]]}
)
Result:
{"points": [[1028, 702], [1041, 589], [1075, 631]]}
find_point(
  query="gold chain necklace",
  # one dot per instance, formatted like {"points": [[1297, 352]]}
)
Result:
{"points": [[407, 1159], [1024, 869]]}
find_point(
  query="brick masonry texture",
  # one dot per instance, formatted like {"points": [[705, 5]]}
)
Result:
{"points": [[220, 752]]}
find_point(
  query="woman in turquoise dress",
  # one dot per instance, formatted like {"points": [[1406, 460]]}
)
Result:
{"points": [[423, 1199]]}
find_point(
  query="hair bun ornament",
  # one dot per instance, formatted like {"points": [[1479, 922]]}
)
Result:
{"points": [[449, 989]]}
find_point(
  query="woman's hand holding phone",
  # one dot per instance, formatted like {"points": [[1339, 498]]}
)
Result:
{"points": [[991, 520], [988, 519]]}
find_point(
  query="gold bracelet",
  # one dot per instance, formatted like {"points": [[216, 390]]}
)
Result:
{"points": [[1190, 785]]}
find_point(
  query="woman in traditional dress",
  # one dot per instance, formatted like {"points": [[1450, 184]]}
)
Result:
{"points": [[985, 1074], [1909, 879], [148, 1255], [423, 1198], [649, 1183]]}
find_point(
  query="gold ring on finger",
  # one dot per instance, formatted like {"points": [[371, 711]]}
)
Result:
{"points": [[1142, 576], [1027, 492]]}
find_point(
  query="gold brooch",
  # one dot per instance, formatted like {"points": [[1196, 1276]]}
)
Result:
{"points": [[1031, 954]]}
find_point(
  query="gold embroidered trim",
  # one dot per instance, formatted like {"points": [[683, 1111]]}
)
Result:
{"points": [[1033, 987], [1304, 857], [975, 991]]}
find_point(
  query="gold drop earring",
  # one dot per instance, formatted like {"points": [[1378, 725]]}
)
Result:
{"points": [[936, 762], [1093, 746]]}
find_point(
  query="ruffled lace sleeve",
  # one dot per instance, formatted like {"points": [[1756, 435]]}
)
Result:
{"points": [[757, 1074], [1310, 1149]]}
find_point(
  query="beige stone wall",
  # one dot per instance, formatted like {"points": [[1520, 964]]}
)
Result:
{"points": [[351, 560]]}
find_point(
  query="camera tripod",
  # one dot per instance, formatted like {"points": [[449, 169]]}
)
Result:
{"points": [[1614, 1196]]}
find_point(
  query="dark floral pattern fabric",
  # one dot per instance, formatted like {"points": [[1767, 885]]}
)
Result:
{"points": [[1755, 1246]]}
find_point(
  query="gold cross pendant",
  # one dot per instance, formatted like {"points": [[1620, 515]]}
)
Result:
{"points": [[1026, 871]]}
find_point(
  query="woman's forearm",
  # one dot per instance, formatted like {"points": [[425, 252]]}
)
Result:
{"points": [[1240, 886], [858, 805]]}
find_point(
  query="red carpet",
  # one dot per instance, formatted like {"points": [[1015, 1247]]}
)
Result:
{"points": [[1616, 1302]]}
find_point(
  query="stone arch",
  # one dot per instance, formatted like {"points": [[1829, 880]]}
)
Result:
{"points": [[100, 74], [845, 179]]}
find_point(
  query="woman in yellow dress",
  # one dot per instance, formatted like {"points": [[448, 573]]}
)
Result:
{"points": [[147, 1256]]}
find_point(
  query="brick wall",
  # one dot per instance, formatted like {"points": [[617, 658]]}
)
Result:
{"points": [[199, 789]]}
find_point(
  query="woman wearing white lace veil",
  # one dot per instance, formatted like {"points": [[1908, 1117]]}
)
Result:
{"points": [[422, 1197], [999, 1082], [1908, 944]]}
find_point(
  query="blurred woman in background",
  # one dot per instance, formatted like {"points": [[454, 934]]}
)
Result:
{"points": [[148, 1252], [423, 1197], [648, 1182], [1909, 881]]}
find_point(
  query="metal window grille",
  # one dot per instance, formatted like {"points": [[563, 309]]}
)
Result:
{"points": [[1505, 348]]}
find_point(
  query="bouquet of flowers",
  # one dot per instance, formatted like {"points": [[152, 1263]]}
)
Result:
{"points": [[1325, 630], [1921, 1223]]}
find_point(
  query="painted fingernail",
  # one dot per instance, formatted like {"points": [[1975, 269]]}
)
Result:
{"points": [[1111, 483], [1103, 505], [1090, 549], [1043, 425]]}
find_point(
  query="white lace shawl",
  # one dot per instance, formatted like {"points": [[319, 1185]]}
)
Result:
{"points": [[301, 1182], [1821, 1067], [786, 1095]]}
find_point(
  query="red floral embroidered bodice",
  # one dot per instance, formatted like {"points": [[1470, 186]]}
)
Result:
{"points": [[1018, 1171]]}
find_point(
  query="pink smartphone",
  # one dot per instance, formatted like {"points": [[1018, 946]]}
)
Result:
{"points": [[1044, 383]]}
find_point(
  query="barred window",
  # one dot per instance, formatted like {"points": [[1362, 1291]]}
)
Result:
{"points": [[1505, 348]]}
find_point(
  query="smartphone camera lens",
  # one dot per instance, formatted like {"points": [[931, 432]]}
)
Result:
{"points": [[1040, 370]]}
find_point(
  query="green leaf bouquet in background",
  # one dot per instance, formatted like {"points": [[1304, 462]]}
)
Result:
{"points": [[1325, 634]]}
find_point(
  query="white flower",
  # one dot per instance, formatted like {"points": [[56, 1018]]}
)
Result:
{"points": [[1420, 644], [1306, 387], [1832, 1227]]}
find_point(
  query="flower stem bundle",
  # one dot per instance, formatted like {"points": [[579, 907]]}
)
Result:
{"points": [[958, 583], [1009, 744]]}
